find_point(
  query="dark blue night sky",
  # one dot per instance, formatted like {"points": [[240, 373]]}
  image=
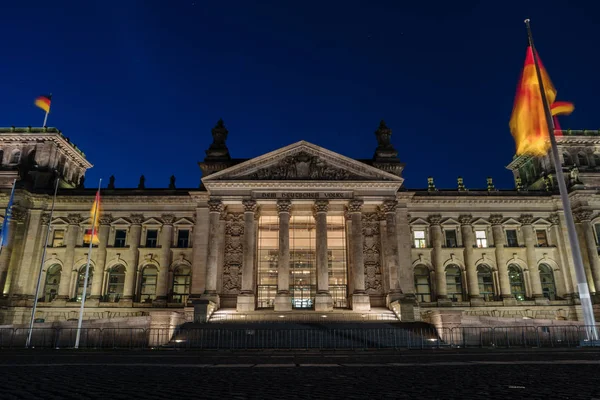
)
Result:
{"points": [[138, 85]]}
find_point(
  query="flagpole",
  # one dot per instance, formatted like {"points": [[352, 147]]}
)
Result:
{"points": [[39, 280], [582, 285], [87, 272], [45, 119]]}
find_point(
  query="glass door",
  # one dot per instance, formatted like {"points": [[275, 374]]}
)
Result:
{"points": [[303, 274]]}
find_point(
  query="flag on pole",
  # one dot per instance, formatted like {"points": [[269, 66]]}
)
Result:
{"points": [[43, 102], [527, 123], [92, 234], [7, 217]]}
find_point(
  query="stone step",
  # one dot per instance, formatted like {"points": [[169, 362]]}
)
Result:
{"points": [[230, 315]]}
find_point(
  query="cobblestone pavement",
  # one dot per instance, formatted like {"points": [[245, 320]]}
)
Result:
{"points": [[280, 375]]}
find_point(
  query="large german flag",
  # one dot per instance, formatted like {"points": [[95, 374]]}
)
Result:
{"points": [[43, 102], [528, 122]]}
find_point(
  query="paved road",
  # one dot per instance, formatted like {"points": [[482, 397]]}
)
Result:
{"points": [[445, 374]]}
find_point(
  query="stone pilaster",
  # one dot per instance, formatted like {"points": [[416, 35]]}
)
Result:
{"points": [[469, 257], [584, 218], [435, 232], [19, 215], [98, 277], [530, 242], [28, 270], [391, 249], [406, 273], [6, 254], [135, 236], [557, 238], [215, 209], [68, 287], [360, 300], [501, 262], [246, 298], [199, 253], [283, 300], [166, 238], [323, 300]]}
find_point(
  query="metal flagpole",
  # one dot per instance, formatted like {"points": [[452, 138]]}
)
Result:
{"points": [[39, 280], [87, 271], [45, 119], [582, 285]]}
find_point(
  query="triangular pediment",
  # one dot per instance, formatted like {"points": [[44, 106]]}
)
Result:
{"points": [[542, 222], [120, 221], [151, 221], [480, 221], [302, 161], [184, 222], [419, 221], [511, 222], [450, 222], [60, 221]]}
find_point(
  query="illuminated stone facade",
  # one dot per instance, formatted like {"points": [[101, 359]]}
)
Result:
{"points": [[298, 228]]}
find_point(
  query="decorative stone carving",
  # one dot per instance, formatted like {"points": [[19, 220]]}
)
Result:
{"points": [[582, 215], [234, 253], [431, 185], [284, 206], [111, 182], [526, 219], [45, 218], [355, 206], [372, 253], [218, 149], [142, 184], [172, 182], [257, 213], [168, 219], [434, 219], [74, 219], [249, 205], [303, 166], [554, 219], [215, 205], [388, 206], [465, 219], [495, 219], [321, 206], [385, 150], [490, 184], [461, 184], [518, 184], [106, 219], [137, 219]]}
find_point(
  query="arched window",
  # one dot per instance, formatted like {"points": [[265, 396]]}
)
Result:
{"points": [[547, 279], [582, 159], [148, 283], [116, 283], [517, 283], [567, 160], [182, 279], [81, 280], [422, 284], [31, 158], [52, 283], [486, 282], [454, 287], [15, 157], [1, 156], [597, 159]]}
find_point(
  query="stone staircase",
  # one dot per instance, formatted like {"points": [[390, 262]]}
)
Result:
{"points": [[230, 315]]}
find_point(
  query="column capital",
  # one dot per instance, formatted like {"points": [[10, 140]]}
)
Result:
{"points": [[18, 213], [215, 205], [136, 219], [554, 219], [582, 215], [223, 214], [465, 219], [168, 219], [321, 206], [257, 213], [284, 206], [45, 218], [74, 219], [355, 206], [434, 219], [389, 206], [496, 219], [106, 219], [249, 205], [526, 219]]}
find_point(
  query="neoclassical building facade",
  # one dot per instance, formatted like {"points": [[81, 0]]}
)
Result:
{"points": [[299, 228]]}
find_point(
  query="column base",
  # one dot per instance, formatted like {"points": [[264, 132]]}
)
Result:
{"points": [[444, 301], [323, 302], [213, 297], [361, 302], [477, 301], [245, 302], [283, 302], [509, 300], [540, 300]]}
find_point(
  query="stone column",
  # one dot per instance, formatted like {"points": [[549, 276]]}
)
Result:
{"points": [[469, 257], [246, 298], [135, 236], [19, 215], [530, 241], [406, 273], [215, 208], [199, 253], [68, 287], [391, 249], [283, 300], [103, 232], [360, 299], [557, 239], [500, 242], [323, 300], [27, 275], [437, 239], [584, 217], [166, 238]]}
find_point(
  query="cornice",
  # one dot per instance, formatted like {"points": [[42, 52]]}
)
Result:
{"points": [[294, 185], [56, 137], [127, 199], [483, 200]]}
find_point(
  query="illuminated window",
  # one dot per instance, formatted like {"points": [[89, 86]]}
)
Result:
{"points": [[52, 283], [454, 287], [336, 246], [542, 238], [451, 238], [419, 238], [148, 284], [511, 238], [182, 280], [422, 283], [481, 238], [58, 238], [547, 280], [517, 283], [268, 236], [486, 282], [81, 280], [116, 283], [303, 267]]}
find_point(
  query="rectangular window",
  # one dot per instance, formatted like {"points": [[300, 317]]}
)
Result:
{"points": [[120, 236], [183, 238], [511, 238], [451, 238], [542, 239], [58, 239], [151, 238], [481, 238], [419, 238]]}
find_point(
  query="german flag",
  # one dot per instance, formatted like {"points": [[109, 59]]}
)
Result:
{"points": [[92, 234], [528, 122], [43, 102]]}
